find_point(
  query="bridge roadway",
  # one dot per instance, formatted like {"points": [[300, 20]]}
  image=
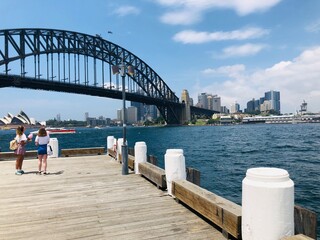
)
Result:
{"points": [[88, 198]]}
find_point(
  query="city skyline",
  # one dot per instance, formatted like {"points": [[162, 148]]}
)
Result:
{"points": [[233, 49]]}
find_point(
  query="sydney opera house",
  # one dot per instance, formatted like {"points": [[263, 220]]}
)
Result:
{"points": [[20, 119]]}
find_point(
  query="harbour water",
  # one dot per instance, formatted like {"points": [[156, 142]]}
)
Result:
{"points": [[222, 153]]}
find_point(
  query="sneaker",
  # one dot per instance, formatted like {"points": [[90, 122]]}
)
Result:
{"points": [[18, 172], [45, 173], [22, 171]]}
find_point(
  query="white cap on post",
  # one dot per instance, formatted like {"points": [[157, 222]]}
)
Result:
{"points": [[110, 141], [140, 155], [267, 204], [175, 167]]}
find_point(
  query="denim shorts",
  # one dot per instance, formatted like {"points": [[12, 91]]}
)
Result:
{"points": [[42, 149]]}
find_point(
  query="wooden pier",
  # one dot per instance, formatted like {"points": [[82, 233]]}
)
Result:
{"points": [[87, 198]]}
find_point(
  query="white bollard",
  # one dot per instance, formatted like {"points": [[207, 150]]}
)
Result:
{"points": [[110, 141], [140, 155], [175, 167], [119, 147], [267, 204], [53, 142]]}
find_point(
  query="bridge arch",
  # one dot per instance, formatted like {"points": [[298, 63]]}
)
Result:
{"points": [[62, 66]]}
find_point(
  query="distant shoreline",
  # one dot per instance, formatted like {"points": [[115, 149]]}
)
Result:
{"points": [[14, 126]]}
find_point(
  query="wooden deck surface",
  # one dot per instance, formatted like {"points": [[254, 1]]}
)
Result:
{"points": [[88, 198]]}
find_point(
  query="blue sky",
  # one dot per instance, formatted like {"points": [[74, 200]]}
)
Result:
{"points": [[237, 49]]}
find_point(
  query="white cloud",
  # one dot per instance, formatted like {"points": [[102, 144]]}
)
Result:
{"points": [[314, 27], [242, 50], [192, 10], [231, 71], [126, 10], [190, 36], [297, 80], [183, 17]]}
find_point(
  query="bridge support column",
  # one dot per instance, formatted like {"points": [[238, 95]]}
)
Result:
{"points": [[186, 114]]}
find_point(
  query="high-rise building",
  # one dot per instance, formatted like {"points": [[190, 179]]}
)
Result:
{"points": [[144, 111], [216, 103], [235, 108], [224, 109], [203, 100], [209, 101], [270, 101], [58, 117], [132, 115], [119, 115], [274, 98]]}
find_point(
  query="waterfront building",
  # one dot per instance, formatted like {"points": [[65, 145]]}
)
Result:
{"points": [[303, 107], [235, 108], [209, 101], [224, 109], [226, 119], [100, 121], [253, 106], [270, 102], [274, 98], [216, 103], [202, 100], [58, 117], [132, 115], [20, 119], [265, 106], [145, 112], [140, 110]]}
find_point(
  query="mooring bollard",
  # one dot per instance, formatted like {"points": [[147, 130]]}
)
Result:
{"points": [[110, 141], [140, 152], [119, 148], [175, 167], [267, 204], [54, 143]]}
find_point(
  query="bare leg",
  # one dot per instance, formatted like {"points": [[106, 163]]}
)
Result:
{"points": [[40, 162], [19, 161], [44, 161]]}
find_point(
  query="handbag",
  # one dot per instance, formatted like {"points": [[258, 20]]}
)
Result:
{"points": [[13, 145], [49, 150]]}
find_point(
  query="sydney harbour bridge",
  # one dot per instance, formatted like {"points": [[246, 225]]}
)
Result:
{"points": [[72, 62]]}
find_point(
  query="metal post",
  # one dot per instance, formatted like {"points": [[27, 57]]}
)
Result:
{"points": [[124, 147]]}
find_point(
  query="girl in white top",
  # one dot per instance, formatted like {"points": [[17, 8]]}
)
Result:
{"points": [[21, 139], [42, 141]]}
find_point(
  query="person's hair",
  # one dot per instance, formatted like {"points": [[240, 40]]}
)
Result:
{"points": [[42, 132], [20, 130]]}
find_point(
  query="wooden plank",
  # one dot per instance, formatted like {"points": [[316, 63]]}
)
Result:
{"points": [[152, 159], [297, 237], [193, 175], [220, 211], [305, 222], [88, 198], [155, 174], [112, 153], [82, 151], [131, 162]]}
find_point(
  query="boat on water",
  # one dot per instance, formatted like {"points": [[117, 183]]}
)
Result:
{"points": [[58, 131]]}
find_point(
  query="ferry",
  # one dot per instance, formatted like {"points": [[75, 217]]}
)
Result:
{"points": [[57, 131]]}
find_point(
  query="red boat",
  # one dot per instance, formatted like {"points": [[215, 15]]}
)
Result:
{"points": [[57, 131], [60, 130]]}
